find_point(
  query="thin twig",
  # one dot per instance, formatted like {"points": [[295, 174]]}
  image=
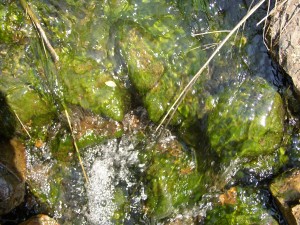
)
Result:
{"points": [[40, 30], [23, 126], [205, 47], [46, 42], [211, 32], [271, 13], [176, 104], [76, 147], [264, 28]]}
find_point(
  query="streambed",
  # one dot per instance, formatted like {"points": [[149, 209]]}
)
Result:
{"points": [[122, 64]]}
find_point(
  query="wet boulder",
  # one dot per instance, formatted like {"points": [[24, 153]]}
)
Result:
{"points": [[161, 59], [172, 180], [245, 130], [91, 88], [286, 190], [12, 175], [239, 205], [89, 129], [12, 190], [20, 82]]}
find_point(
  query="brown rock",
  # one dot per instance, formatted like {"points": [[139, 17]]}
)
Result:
{"points": [[12, 174], [296, 213], [40, 220], [12, 155], [283, 37], [286, 191]]}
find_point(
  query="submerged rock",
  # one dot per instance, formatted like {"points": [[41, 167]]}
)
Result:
{"points": [[241, 206], [245, 130], [86, 85], [172, 180], [161, 59], [286, 190]]}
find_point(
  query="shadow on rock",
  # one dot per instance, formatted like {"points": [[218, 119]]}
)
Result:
{"points": [[12, 161]]}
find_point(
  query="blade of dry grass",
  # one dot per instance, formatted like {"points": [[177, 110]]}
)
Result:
{"points": [[46, 42], [76, 147], [40, 30], [272, 12], [180, 98], [211, 32], [23, 126]]}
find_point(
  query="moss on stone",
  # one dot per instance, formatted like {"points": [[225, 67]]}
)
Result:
{"points": [[172, 180]]}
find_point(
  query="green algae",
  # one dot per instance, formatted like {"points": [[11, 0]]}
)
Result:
{"points": [[161, 60], [248, 119], [158, 53], [12, 28], [91, 88], [90, 131], [171, 180], [247, 127], [248, 206]]}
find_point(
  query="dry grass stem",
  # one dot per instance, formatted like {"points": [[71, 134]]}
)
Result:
{"points": [[76, 147], [264, 28], [23, 126], [46, 43], [40, 30], [211, 32], [209, 46], [181, 96], [272, 12]]}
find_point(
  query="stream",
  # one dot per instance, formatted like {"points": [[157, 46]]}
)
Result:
{"points": [[122, 64]]}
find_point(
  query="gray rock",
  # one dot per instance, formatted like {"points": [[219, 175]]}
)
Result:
{"points": [[283, 38]]}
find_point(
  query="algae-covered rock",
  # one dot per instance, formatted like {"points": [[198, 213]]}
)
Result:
{"points": [[85, 70], [160, 58], [89, 130], [171, 178], [12, 23], [88, 86], [241, 206], [248, 120], [246, 126], [21, 82]]}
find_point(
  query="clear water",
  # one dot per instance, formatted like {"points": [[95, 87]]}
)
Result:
{"points": [[114, 166]]}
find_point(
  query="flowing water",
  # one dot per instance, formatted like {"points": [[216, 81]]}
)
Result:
{"points": [[135, 175]]}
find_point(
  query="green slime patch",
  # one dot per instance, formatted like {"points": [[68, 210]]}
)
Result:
{"points": [[248, 208], [247, 126], [161, 59], [172, 181]]}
